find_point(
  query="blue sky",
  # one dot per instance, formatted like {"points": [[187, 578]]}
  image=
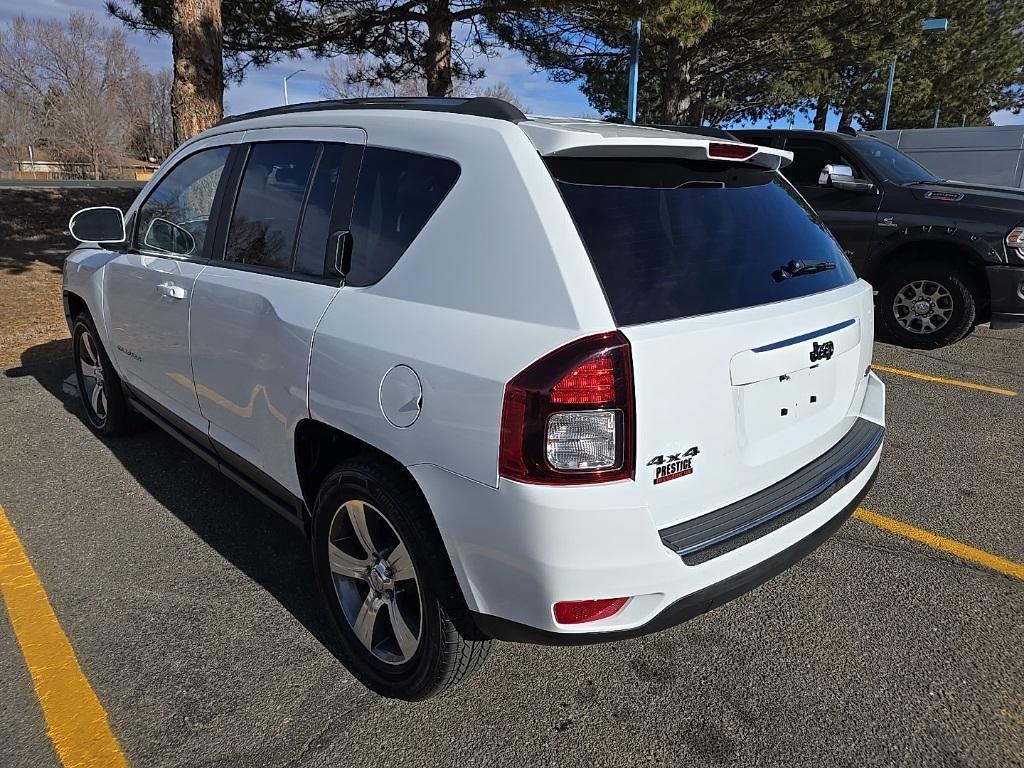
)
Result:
{"points": [[263, 88]]}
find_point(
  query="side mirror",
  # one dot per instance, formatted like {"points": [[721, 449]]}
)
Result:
{"points": [[841, 177], [164, 235], [104, 224]]}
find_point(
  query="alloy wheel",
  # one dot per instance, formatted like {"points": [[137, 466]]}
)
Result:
{"points": [[923, 306], [375, 582], [91, 367]]}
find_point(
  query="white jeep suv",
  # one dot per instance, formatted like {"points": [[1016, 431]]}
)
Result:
{"points": [[536, 379]]}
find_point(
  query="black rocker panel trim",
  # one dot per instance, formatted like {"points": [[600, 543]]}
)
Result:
{"points": [[250, 478]]}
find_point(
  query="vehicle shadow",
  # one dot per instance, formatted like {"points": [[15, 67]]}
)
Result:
{"points": [[256, 540]]}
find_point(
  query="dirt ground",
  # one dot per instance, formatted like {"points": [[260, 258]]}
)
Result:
{"points": [[33, 245]]}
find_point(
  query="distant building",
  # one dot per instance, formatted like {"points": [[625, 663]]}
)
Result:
{"points": [[39, 163]]}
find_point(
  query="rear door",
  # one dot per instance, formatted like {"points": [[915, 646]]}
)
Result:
{"points": [[256, 306], [850, 216], [746, 368]]}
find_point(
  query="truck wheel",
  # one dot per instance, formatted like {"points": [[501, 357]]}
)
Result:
{"points": [[99, 386], [381, 570], [926, 305]]}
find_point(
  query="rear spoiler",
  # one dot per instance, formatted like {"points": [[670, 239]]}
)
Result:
{"points": [[577, 145]]}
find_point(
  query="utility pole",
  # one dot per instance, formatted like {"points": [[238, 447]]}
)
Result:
{"points": [[634, 73]]}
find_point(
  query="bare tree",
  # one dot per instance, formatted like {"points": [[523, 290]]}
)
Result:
{"points": [[503, 91], [74, 82], [152, 132], [347, 78]]}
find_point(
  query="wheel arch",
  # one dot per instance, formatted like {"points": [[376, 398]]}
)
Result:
{"points": [[74, 305], [964, 254], [320, 447]]}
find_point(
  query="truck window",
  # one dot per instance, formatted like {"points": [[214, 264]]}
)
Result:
{"points": [[809, 157]]}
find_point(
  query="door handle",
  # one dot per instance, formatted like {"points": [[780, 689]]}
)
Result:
{"points": [[172, 291]]}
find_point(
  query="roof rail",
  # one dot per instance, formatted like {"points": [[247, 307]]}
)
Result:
{"points": [[479, 106], [696, 130]]}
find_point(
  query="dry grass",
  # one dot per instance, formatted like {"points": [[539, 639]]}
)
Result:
{"points": [[33, 246]]}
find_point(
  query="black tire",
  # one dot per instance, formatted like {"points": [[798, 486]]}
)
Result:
{"points": [[954, 295], [444, 655], [115, 417]]}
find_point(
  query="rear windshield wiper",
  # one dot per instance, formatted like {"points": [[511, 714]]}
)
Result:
{"points": [[796, 268]]}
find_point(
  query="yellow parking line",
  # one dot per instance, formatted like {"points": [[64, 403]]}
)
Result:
{"points": [[75, 720], [949, 546], [941, 380]]}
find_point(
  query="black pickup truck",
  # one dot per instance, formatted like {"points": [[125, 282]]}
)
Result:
{"points": [[942, 255]]}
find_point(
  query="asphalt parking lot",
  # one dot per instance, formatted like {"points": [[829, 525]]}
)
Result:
{"points": [[190, 610]]}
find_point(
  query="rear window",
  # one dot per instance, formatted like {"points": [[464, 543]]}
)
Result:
{"points": [[672, 238]]}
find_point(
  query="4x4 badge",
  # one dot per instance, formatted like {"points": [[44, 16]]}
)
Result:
{"points": [[822, 351], [673, 465]]}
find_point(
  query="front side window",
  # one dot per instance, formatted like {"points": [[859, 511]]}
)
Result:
{"points": [[893, 164], [396, 195], [266, 216], [175, 218], [678, 238]]}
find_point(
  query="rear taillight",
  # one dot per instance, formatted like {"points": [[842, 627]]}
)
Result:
{"points": [[720, 151], [568, 418]]}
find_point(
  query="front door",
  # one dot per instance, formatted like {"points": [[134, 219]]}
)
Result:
{"points": [[256, 306], [147, 290], [850, 216]]}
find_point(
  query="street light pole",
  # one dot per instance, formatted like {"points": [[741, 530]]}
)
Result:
{"points": [[634, 73], [285, 82], [888, 94], [928, 25]]}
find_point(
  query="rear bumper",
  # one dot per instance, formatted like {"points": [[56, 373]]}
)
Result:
{"points": [[518, 549], [1006, 290], [688, 607]]}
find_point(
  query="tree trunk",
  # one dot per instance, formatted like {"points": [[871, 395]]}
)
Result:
{"points": [[676, 92], [821, 113], [197, 40], [437, 50], [846, 116]]}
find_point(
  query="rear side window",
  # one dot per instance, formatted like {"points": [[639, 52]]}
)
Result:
{"points": [[678, 238], [266, 216], [310, 253], [396, 195]]}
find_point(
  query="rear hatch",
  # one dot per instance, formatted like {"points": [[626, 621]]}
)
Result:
{"points": [[750, 333]]}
